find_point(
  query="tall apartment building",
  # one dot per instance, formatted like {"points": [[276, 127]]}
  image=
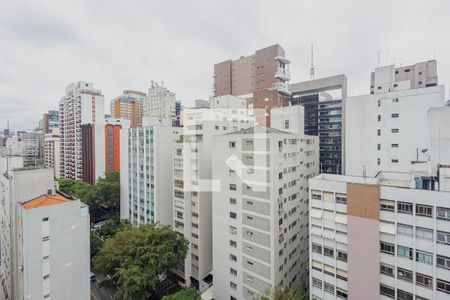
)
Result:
{"points": [[52, 156], [50, 121], [382, 237], [101, 148], [129, 106], [33, 145], [388, 129], [44, 237], [146, 178], [260, 219], [82, 104], [262, 78], [323, 100], [160, 103], [417, 76], [193, 182]]}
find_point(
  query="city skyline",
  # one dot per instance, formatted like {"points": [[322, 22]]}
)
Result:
{"points": [[87, 43]]}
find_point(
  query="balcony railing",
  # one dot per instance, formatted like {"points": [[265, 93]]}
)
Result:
{"points": [[282, 88], [283, 73]]}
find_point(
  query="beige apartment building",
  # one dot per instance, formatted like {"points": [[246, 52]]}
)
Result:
{"points": [[129, 106], [261, 78]]}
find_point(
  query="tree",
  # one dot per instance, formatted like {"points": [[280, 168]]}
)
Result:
{"points": [[111, 227], [284, 294], [136, 257], [186, 294], [96, 245]]}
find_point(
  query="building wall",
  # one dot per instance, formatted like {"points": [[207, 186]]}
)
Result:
{"points": [[52, 157], [399, 139]]}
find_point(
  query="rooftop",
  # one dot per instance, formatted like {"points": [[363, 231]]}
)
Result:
{"points": [[258, 129], [45, 200]]}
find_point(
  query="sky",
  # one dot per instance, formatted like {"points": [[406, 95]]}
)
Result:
{"points": [[117, 45]]}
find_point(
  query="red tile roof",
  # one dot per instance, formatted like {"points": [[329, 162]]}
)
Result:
{"points": [[45, 200]]}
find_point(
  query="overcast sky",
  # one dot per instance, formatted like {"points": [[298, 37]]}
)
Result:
{"points": [[117, 45]]}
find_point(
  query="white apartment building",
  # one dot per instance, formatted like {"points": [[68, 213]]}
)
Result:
{"points": [[380, 237], [82, 104], [44, 238], [160, 103], [146, 178], [260, 216], [51, 152], [193, 181], [388, 129]]}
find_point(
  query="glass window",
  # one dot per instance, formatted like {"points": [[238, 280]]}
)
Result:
{"points": [[328, 251], [424, 210], [317, 283], [387, 269], [405, 252], [317, 248], [404, 207], [424, 280], [341, 255], [388, 205], [402, 295], [387, 248], [404, 274], [403, 229], [443, 213], [424, 233], [443, 286], [387, 291], [328, 287], [341, 293], [443, 237], [443, 262], [424, 257]]}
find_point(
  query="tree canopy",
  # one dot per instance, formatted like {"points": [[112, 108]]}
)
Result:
{"points": [[137, 257], [186, 294], [288, 294]]}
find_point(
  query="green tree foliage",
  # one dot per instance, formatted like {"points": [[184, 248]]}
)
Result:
{"points": [[136, 257], [287, 294], [186, 294], [111, 227], [96, 245], [104, 195]]}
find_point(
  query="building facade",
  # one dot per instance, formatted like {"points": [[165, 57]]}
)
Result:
{"points": [[383, 237], [160, 103], [323, 100], [193, 182], [36, 261], [146, 176], [52, 154], [82, 104], [262, 78], [129, 106], [50, 121], [260, 220]]}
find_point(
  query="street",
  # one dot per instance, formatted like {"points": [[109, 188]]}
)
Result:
{"points": [[101, 291]]}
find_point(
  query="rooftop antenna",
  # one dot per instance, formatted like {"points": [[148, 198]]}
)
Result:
{"points": [[311, 71], [378, 59]]}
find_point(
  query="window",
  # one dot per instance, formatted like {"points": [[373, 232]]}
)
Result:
{"points": [[378, 161], [424, 210], [404, 207], [233, 243], [233, 201], [286, 124], [443, 262], [424, 257], [395, 100], [404, 274], [387, 248], [395, 115], [405, 252], [328, 251], [394, 160], [443, 237], [328, 287], [232, 144], [379, 103], [341, 294], [233, 271], [403, 229], [232, 187], [388, 205], [340, 198], [424, 280], [233, 257], [327, 269], [424, 233], [233, 215], [233, 285], [341, 274], [379, 118], [394, 145], [387, 291], [402, 295], [394, 130], [317, 283], [379, 132], [443, 286], [341, 255], [317, 248], [378, 147], [387, 269], [443, 213]]}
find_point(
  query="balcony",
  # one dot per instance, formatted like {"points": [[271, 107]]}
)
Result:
{"points": [[283, 74], [282, 88]]}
